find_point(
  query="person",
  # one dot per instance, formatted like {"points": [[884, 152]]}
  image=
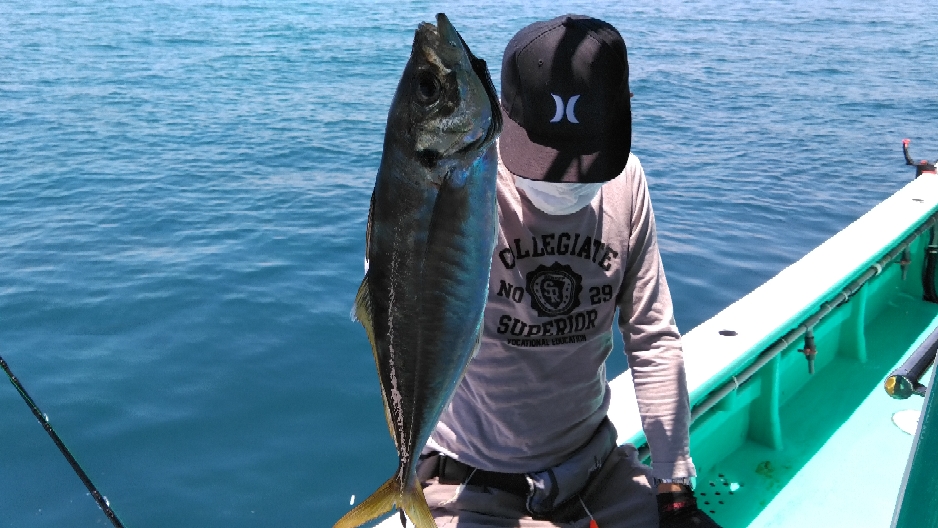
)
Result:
{"points": [[922, 167], [525, 441]]}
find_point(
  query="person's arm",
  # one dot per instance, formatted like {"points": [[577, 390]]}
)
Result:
{"points": [[653, 346], [905, 151], [652, 341]]}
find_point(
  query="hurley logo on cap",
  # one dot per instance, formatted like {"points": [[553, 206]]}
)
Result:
{"points": [[560, 113]]}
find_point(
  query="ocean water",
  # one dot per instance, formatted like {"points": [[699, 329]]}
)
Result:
{"points": [[183, 194]]}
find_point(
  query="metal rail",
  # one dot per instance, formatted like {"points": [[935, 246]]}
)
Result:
{"points": [[808, 324]]}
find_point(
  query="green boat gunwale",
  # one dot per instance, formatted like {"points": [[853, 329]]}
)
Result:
{"points": [[745, 364]]}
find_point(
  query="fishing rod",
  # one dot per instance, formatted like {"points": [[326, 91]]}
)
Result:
{"points": [[44, 420]]}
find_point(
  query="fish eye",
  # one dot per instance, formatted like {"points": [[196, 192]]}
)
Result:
{"points": [[428, 87]]}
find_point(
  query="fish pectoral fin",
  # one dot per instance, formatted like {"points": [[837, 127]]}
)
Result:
{"points": [[389, 495]]}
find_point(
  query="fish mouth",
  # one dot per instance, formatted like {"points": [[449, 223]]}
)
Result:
{"points": [[446, 31]]}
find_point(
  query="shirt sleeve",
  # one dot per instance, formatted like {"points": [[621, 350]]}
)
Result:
{"points": [[653, 342]]}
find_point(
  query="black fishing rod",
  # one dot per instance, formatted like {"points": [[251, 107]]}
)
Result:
{"points": [[102, 502]]}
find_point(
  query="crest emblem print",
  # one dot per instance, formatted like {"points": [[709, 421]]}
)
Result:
{"points": [[564, 109], [554, 290]]}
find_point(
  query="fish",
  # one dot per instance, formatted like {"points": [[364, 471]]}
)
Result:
{"points": [[431, 232]]}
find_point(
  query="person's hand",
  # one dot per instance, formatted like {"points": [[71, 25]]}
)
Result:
{"points": [[905, 142], [678, 509]]}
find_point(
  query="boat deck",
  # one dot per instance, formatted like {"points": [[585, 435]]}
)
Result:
{"points": [[842, 466]]}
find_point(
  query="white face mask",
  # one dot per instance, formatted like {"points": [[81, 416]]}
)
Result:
{"points": [[558, 198]]}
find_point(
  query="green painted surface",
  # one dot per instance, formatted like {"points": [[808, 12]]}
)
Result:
{"points": [[789, 449], [919, 500]]}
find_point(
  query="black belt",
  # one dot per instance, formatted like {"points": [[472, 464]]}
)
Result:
{"points": [[452, 471]]}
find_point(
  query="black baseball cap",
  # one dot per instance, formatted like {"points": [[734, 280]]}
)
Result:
{"points": [[565, 100]]}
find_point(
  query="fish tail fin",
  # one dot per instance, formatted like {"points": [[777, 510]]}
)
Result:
{"points": [[389, 495], [416, 507], [379, 503]]}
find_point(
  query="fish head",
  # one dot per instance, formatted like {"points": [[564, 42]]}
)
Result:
{"points": [[446, 106]]}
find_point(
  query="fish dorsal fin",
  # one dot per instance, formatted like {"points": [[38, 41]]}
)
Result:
{"points": [[362, 312]]}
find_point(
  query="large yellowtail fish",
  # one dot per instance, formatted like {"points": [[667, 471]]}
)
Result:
{"points": [[431, 233]]}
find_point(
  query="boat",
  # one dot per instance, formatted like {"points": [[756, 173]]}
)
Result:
{"points": [[793, 420], [806, 393]]}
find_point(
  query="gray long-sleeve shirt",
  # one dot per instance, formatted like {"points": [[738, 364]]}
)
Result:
{"points": [[537, 389]]}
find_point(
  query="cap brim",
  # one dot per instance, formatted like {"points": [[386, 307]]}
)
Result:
{"points": [[535, 161]]}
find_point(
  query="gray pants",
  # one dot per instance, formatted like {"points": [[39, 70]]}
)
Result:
{"points": [[620, 496]]}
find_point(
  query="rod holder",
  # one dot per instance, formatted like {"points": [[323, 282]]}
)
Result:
{"points": [[905, 261], [809, 350]]}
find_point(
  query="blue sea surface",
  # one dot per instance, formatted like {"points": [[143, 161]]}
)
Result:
{"points": [[184, 188]]}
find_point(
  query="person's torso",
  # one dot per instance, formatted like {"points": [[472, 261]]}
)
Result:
{"points": [[537, 388]]}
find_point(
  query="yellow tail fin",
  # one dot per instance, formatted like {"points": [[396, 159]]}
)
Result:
{"points": [[411, 500]]}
